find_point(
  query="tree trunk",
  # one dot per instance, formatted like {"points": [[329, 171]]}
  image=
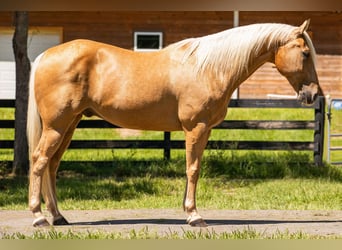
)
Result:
{"points": [[22, 62]]}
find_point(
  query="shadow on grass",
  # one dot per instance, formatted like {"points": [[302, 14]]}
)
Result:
{"points": [[14, 190], [124, 168], [109, 189], [219, 163], [257, 166], [251, 165]]}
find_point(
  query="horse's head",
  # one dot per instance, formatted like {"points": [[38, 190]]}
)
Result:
{"points": [[295, 60]]}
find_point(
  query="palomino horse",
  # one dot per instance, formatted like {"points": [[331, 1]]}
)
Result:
{"points": [[185, 86]]}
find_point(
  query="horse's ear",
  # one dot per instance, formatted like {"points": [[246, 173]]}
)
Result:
{"points": [[304, 26]]}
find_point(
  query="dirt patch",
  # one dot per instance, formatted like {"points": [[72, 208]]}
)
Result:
{"points": [[164, 221]]}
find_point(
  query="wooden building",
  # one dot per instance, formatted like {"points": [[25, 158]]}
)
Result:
{"points": [[118, 28]]}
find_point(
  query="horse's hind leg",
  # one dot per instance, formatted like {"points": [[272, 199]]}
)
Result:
{"points": [[48, 145], [49, 180]]}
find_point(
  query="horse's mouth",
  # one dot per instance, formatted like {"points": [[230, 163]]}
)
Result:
{"points": [[308, 94], [307, 98]]}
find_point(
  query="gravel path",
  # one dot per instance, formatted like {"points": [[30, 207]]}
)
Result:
{"points": [[164, 221]]}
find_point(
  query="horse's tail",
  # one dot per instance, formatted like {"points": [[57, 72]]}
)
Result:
{"points": [[34, 124]]}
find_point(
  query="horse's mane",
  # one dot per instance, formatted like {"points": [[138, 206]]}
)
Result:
{"points": [[232, 49]]}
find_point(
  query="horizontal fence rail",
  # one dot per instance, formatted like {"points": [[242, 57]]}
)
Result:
{"points": [[316, 124]]}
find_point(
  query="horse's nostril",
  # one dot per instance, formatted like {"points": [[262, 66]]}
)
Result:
{"points": [[314, 96], [306, 97]]}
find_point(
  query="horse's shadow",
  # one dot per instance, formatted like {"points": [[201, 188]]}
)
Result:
{"points": [[214, 222]]}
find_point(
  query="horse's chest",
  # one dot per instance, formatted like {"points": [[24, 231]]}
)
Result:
{"points": [[209, 110]]}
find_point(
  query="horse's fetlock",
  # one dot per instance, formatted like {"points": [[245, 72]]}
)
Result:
{"points": [[34, 205], [189, 205]]}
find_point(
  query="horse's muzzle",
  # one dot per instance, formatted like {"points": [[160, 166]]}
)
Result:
{"points": [[308, 94]]}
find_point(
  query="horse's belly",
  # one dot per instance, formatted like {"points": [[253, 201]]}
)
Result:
{"points": [[146, 122], [160, 117]]}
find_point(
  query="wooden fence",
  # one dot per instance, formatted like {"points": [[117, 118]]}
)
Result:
{"points": [[315, 145]]}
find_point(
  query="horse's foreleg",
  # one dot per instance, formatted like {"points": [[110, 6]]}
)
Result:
{"points": [[48, 144], [49, 182], [196, 140]]}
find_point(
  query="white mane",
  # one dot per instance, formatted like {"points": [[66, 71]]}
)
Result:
{"points": [[231, 50]]}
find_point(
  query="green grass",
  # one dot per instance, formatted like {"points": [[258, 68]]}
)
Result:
{"points": [[160, 184], [146, 233]]}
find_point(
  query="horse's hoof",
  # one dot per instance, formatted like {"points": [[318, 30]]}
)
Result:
{"points": [[40, 222], [196, 221], [60, 221]]}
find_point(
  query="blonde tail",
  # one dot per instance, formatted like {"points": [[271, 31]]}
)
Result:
{"points": [[34, 125]]}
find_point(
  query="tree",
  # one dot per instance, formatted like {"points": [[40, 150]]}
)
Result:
{"points": [[22, 62]]}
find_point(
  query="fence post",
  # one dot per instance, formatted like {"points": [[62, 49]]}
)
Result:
{"points": [[319, 131], [167, 145]]}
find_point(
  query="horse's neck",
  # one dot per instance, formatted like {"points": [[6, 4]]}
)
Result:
{"points": [[254, 64], [234, 81]]}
